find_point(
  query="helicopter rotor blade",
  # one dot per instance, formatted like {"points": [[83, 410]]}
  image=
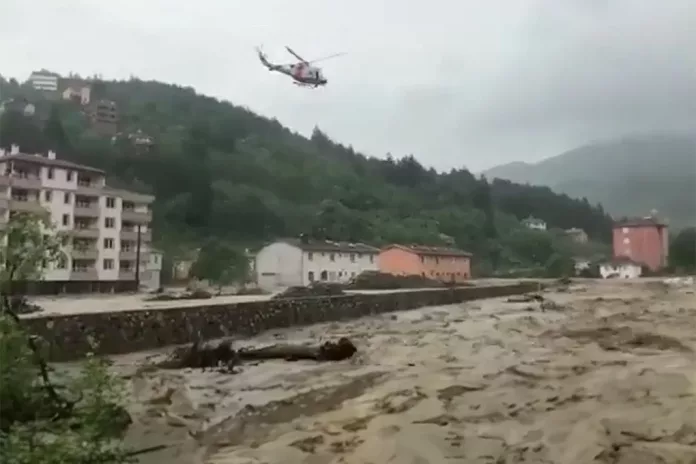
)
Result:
{"points": [[290, 50], [327, 57]]}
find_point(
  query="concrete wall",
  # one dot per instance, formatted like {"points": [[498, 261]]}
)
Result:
{"points": [[68, 337]]}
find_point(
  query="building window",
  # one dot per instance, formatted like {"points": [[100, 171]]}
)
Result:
{"points": [[109, 222], [62, 262], [108, 243], [332, 257], [372, 259], [69, 175], [108, 264], [48, 195], [125, 246], [324, 275], [624, 230], [66, 219], [310, 256], [352, 257], [626, 241], [50, 173], [66, 198], [310, 276], [110, 202]]}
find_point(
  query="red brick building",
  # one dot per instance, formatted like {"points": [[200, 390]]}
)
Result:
{"points": [[643, 240]]}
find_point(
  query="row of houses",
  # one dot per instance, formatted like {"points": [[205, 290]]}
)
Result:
{"points": [[301, 261]]}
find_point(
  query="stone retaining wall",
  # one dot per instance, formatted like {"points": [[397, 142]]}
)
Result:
{"points": [[70, 337]]}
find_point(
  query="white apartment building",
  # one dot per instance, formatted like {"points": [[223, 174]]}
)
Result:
{"points": [[44, 80], [295, 262], [100, 224]]}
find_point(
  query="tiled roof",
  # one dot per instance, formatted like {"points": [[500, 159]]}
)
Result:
{"points": [[432, 251], [330, 246], [42, 160]]}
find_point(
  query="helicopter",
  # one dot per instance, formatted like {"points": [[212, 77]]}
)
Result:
{"points": [[303, 73]]}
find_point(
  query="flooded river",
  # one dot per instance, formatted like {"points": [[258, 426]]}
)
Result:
{"points": [[602, 372]]}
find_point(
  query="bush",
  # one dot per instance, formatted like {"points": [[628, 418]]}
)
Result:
{"points": [[77, 419], [46, 419]]}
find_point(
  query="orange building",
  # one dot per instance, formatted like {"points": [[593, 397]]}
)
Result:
{"points": [[445, 264]]}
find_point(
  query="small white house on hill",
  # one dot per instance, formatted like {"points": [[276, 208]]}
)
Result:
{"points": [[534, 223], [622, 268], [299, 262]]}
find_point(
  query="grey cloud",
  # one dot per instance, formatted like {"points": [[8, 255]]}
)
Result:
{"points": [[453, 82]]}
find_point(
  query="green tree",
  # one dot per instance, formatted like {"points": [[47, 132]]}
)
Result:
{"points": [[221, 264], [53, 132], [531, 246], [79, 422], [682, 250], [559, 265], [219, 170]]}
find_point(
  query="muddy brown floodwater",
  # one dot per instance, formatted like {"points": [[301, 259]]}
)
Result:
{"points": [[605, 375]]}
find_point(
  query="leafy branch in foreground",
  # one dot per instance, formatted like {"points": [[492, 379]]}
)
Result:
{"points": [[46, 419]]}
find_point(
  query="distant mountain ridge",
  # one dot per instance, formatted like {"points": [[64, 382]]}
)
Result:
{"points": [[629, 176]]}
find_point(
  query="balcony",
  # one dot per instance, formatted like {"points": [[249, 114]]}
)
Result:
{"points": [[131, 255], [28, 182], [128, 255], [130, 215], [132, 234], [88, 253], [84, 274], [133, 197], [89, 189], [91, 211], [27, 206], [85, 232], [126, 274]]}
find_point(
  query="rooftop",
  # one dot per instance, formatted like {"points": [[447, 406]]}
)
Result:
{"points": [[648, 221], [46, 161], [533, 220], [432, 250], [621, 261], [330, 246]]}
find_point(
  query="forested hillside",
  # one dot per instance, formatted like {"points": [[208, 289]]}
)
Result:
{"points": [[631, 176], [219, 170]]}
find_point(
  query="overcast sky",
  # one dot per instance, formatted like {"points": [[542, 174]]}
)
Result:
{"points": [[455, 82]]}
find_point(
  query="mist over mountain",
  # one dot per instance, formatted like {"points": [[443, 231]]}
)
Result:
{"points": [[628, 176]]}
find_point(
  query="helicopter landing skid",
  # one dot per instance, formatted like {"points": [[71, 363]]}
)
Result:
{"points": [[304, 84]]}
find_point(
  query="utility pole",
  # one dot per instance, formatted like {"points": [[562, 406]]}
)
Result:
{"points": [[137, 260]]}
